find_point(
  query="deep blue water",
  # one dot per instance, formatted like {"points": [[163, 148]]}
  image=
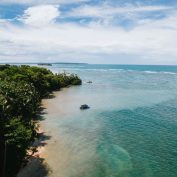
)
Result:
{"points": [[131, 128]]}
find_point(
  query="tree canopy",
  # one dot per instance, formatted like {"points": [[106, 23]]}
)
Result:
{"points": [[21, 91]]}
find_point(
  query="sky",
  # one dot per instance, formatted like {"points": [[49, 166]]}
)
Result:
{"points": [[89, 31]]}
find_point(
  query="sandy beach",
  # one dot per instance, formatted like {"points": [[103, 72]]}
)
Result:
{"points": [[38, 161], [37, 165]]}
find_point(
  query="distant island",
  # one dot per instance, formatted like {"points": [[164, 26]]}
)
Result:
{"points": [[44, 64], [21, 91]]}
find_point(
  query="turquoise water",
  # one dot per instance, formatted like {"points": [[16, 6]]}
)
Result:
{"points": [[131, 128]]}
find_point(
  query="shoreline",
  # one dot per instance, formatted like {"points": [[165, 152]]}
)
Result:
{"points": [[21, 109], [36, 163], [42, 163]]}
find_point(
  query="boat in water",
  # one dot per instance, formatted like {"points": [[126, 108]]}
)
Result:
{"points": [[84, 106]]}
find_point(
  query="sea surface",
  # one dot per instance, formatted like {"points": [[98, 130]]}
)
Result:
{"points": [[130, 129]]}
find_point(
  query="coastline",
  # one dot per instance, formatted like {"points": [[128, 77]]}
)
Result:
{"points": [[22, 90], [43, 162], [37, 164], [36, 160]]}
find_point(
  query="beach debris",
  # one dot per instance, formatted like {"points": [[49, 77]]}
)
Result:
{"points": [[84, 106]]}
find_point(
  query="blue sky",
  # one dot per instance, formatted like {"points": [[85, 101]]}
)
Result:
{"points": [[92, 31]]}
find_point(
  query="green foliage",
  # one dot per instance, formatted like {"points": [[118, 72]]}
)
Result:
{"points": [[42, 79], [18, 98], [21, 90], [18, 137], [17, 133], [68, 79]]}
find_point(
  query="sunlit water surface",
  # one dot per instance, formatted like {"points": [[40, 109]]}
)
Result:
{"points": [[129, 131]]}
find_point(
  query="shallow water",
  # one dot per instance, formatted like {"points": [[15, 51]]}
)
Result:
{"points": [[130, 130]]}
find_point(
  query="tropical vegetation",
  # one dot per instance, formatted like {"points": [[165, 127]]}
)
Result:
{"points": [[21, 91]]}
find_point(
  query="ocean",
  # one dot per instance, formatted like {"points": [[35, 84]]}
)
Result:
{"points": [[130, 129]]}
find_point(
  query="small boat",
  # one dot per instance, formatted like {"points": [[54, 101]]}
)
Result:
{"points": [[84, 106], [89, 82]]}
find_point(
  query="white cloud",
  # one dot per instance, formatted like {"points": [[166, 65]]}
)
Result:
{"points": [[107, 10], [35, 2], [150, 41], [108, 15], [40, 15]]}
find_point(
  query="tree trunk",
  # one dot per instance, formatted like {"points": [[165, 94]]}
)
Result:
{"points": [[2, 157]]}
